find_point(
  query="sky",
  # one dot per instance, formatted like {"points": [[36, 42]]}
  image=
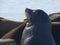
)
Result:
{"points": [[14, 9]]}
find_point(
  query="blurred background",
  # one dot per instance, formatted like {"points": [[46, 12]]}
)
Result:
{"points": [[14, 9]]}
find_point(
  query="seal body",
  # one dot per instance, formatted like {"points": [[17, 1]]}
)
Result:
{"points": [[38, 29], [55, 17], [7, 42], [7, 25]]}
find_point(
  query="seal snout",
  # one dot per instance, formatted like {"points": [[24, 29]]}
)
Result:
{"points": [[27, 10]]}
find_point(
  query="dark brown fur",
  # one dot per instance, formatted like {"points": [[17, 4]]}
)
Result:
{"points": [[7, 25], [55, 19]]}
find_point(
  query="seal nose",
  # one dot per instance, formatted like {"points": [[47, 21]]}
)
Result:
{"points": [[27, 10]]}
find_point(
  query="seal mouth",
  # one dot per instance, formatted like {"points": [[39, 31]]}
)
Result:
{"points": [[28, 13]]}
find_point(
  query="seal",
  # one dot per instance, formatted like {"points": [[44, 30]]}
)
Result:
{"points": [[7, 26], [55, 19], [38, 29], [7, 42]]}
